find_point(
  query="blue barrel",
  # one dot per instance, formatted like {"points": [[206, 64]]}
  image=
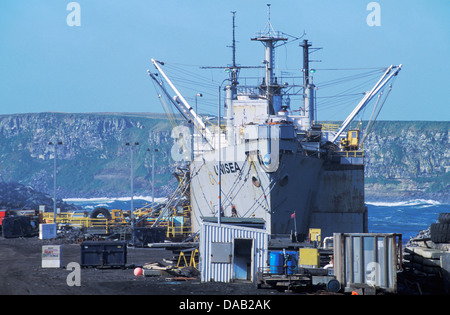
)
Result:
{"points": [[276, 262], [291, 262]]}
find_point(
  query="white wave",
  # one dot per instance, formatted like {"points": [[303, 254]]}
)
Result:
{"points": [[106, 200], [102, 205], [415, 202], [90, 200]]}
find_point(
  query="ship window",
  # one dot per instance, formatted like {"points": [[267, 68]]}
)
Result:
{"points": [[255, 181]]}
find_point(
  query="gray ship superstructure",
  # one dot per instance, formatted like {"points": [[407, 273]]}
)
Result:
{"points": [[266, 165]]}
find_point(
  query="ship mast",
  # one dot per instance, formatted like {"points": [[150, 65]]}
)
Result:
{"points": [[269, 37], [234, 69], [309, 87], [231, 89]]}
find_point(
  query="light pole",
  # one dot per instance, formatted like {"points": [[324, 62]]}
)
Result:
{"points": [[219, 193], [197, 95], [153, 175], [132, 179], [54, 178], [193, 127]]}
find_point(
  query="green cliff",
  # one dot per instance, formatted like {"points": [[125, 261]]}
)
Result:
{"points": [[404, 160]]}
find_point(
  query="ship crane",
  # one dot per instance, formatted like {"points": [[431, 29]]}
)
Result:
{"points": [[387, 76], [181, 104]]}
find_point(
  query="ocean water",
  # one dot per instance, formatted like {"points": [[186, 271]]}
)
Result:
{"points": [[113, 203], [407, 218]]}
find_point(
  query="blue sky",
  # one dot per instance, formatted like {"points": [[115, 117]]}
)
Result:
{"points": [[100, 66]]}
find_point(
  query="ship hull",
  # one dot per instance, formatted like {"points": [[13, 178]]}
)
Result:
{"points": [[302, 192]]}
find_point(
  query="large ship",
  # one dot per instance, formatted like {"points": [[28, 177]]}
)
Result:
{"points": [[267, 162]]}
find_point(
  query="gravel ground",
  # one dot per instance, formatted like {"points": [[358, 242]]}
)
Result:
{"points": [[22, 274]]}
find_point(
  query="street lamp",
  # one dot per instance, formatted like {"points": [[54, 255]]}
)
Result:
{"points": [[54, 178], [153, 176], [199, 95], [132, 178]]}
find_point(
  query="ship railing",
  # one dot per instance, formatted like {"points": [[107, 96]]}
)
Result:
{"points": [[270, 34], [98, 224], [179, 228], [213, 127], [330, 127], [248, 90], [61, 218], [348, 154]]}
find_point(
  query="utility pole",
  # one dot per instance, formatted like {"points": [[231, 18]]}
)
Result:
{"points": [[153, 176], [132, 180], [54, 178]]}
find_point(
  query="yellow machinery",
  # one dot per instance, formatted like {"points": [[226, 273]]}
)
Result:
{"points": [[178, 224], [101, 225], [173, 216], [314, 235], [351, 142], [120, 216], [309, 257], [193, 260]]}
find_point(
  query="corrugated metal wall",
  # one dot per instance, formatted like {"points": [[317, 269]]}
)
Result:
{"points": [[213, 233], [367, 258]]}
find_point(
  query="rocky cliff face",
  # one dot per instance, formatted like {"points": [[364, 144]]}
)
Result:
{"points": [[403, 159], [408, 160], [15, 196], [92, 156]]}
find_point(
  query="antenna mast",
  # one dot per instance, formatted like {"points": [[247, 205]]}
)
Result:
{"points": [[234, 40], [309, 89], [268, 38]]}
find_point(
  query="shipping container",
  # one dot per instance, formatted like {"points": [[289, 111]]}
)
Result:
{"points": [[367, 260]]}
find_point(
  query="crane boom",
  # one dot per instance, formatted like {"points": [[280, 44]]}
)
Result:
{"points": [[388, 74], [187, 108]]}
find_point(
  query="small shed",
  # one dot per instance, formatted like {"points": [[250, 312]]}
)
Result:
{"points": [[232, 250]]}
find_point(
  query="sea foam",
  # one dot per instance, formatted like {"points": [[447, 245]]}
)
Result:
{"points": [[409, 203]]}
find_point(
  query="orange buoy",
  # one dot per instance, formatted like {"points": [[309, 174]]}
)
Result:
{"points": [[138, 271]]}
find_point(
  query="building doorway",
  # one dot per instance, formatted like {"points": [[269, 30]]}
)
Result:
{"points": [[243, 259]]}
